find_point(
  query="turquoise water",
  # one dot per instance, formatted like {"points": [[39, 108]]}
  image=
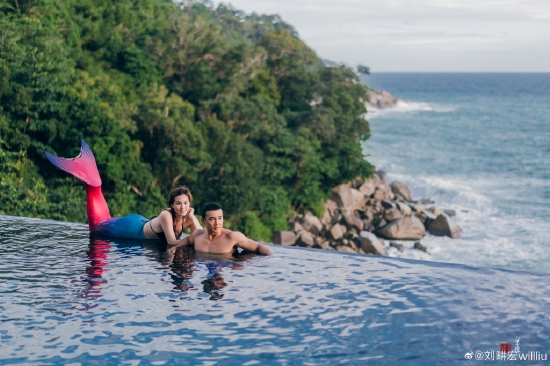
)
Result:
{"points": [[478, 143], [68, 299]]}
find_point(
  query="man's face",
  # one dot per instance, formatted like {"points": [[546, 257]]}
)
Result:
{"points": [[213, 221]]}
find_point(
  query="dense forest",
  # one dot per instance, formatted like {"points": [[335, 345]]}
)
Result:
{"points": [[235, 106]]}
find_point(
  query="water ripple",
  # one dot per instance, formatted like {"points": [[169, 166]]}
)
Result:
{"points": [[67, 298]]}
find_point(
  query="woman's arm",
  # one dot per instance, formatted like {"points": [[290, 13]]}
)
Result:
{"points": [[192, 221], [167, 224]]}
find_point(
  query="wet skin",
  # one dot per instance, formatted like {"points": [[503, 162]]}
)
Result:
{"points": [[214, 239], [164, 221]]}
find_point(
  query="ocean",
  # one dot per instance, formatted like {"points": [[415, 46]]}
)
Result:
{"points": [[478, 143]]}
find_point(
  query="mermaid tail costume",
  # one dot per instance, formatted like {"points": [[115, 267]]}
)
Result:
{"points": [[99, 218]]}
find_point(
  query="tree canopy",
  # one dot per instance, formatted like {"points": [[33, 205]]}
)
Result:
{"points": [[235, 106]]}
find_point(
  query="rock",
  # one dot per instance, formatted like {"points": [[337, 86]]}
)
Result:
{"points": [[379, 223], [311, 223], [353, 221], [344, 248], [404, 208], [392, 214], [398, 246], [401, 191], [383, 192], [445, 226], [382, 176], [368, 226], [330, 206], [336, 232], [380, 99], [416, 207], [305, 240], [369, 185], [387, 204], [436, 211], [405, 228], [360, 202], [368, 215], [343, 196], [449, 213], [420, 247], [295, 226], [425, 217], [284, 237], [370, 244], [425, 201], [321, 244]]}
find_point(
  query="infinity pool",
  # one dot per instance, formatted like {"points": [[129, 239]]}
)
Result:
{"points": [[68, 298]]}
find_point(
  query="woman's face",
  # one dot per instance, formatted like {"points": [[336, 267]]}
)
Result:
{"points": [[181, 205]]}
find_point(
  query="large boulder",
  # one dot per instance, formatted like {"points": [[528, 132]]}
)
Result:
{"points": [[369, 185], [443, 225], [295, 226], [283, 237], [401, 191], [425, 217], [311, 223], [436, 211], [345, 248], [343, 196], [383, 192], [404, 208], [392, 214], [360, 201], [305, 240], [353, 221], [330, 211], [370, 244], [405, 228], [382, 176], [387, 204], [336, 232]]}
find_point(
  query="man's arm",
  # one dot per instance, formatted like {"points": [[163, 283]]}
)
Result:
{"points": [[248, 244]]}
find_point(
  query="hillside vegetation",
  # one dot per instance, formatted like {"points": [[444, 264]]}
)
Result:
{"points": [[235, 106]]}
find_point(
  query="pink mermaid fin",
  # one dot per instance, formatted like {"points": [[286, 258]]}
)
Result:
{"points": [[84, 168]]}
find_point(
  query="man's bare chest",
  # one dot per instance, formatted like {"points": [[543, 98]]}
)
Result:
{"points": [[220, 245]]}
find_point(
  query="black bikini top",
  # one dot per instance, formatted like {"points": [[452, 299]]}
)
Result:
{"points": [[161, 235]]}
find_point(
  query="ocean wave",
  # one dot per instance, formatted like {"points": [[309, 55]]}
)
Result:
{"points": [[406, 106], [492, 237]]}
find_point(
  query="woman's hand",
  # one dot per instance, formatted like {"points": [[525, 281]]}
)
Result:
{"points": [[194, 223]]}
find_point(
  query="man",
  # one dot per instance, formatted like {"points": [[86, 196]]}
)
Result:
{"points": [[217, 240]]}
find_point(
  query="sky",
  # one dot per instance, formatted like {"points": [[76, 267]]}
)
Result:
{"points": [[421, 35]]}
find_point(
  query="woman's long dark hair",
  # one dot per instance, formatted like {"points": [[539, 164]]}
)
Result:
{"points": [[178, 192]]}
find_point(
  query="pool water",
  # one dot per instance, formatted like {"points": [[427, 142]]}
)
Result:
{"points": [[68, 298]]}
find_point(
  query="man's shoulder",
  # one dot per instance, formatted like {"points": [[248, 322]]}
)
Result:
{"points": [[233, 234], [197, 233]]}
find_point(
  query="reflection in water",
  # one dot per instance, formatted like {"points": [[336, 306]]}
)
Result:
{"points": [[181, 260], [97, 253]]}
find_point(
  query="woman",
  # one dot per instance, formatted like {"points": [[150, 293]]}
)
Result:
{"points": [[168, 225]]}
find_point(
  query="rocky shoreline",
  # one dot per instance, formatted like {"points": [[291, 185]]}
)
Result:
{"points": [[380, 99], [369, 216]]}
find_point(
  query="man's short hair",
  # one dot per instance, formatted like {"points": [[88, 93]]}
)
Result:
{"points": [[212, 206]]}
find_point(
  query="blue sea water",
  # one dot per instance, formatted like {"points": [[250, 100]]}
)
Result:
{"points": [[478, 143]]}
